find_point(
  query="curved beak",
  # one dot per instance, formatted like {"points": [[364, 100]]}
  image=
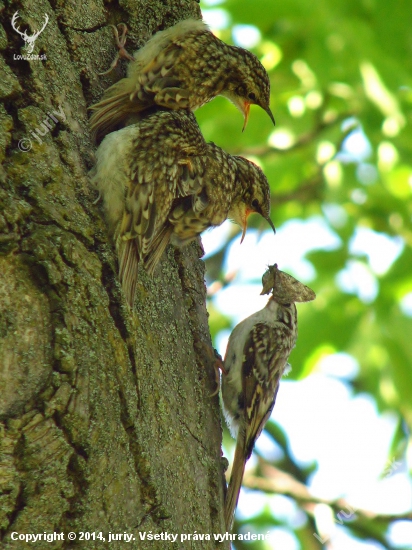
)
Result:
{"points": [[244, 227], [246, 111], [240, 213], [271, 224], [244, 224], [269, 112]]}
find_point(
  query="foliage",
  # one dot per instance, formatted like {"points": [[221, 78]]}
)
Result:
{"points": [[341, 150]]}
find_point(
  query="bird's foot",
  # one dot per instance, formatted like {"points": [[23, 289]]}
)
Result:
{"points": [[120, 43], [218, 365], [215, 359]]}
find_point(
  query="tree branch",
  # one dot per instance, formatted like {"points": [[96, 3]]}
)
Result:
{"points": [[301, 141], [282, 483]]}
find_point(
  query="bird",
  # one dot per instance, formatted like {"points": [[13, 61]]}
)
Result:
{"points": [[182, 67], [161, 182], [256, 358]]}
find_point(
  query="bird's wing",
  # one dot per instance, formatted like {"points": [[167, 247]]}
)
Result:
{"points": [[135, 93], [264, 361], [149, 84], [141, 219], [152, 190], [160, 79], [126, 99], [155, 77]]}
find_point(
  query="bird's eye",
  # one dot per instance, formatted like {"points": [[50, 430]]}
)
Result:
{"points": [[252, 96], [255, 204]]}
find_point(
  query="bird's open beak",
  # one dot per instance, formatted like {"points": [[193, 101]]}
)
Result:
{"points": [[243, 224], [272, 118], [240, 214], [246, 110], [242, 221]]}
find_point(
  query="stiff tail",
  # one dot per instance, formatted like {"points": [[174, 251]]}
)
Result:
{"points": [[113, 111], [157, 246], [128, 254], [128, 264], [235, 483]]}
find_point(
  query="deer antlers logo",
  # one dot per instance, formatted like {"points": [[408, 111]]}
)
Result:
{"points": [[29, 40]]}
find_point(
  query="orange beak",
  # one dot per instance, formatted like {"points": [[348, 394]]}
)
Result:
{"points": [[246, 109], [243, 224]]}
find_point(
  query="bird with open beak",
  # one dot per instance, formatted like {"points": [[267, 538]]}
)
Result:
{"points": [[255, 196], [162, 183], [182, 67], [243, 99]]}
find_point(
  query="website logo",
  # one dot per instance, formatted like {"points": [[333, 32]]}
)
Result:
{"points": [[29, 40]]}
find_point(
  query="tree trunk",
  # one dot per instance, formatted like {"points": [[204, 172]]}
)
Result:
{"points": [[107, 420]]}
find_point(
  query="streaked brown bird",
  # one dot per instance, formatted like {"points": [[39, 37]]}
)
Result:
{"points": [[161, 182], [256, 357], [183, 67]]}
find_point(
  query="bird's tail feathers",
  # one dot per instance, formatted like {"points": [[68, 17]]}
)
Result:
{"points": [[128, 265], [235, 483], [114, 110], [158, 246]]}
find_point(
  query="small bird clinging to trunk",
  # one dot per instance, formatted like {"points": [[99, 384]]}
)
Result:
{"points": [[161, 182], [183, 67], [256, 357]]}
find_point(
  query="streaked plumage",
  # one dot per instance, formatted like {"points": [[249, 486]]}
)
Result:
{"points": [[161, 182], [256, 358], [183, 67]]}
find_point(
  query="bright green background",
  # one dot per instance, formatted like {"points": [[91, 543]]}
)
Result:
{"points": [[336, 60]]}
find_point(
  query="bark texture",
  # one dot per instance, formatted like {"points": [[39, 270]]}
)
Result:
{"points": [[107, 420]]}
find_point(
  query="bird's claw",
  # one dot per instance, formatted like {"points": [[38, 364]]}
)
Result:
{"points": [[218, 365], [216, 360], [120, 43]]}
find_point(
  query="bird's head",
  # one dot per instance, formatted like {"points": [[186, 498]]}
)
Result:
{"points": [[250, 85], [253, 196]]}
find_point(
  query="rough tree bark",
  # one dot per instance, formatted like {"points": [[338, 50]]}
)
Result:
{"points": [[107, 420]]}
